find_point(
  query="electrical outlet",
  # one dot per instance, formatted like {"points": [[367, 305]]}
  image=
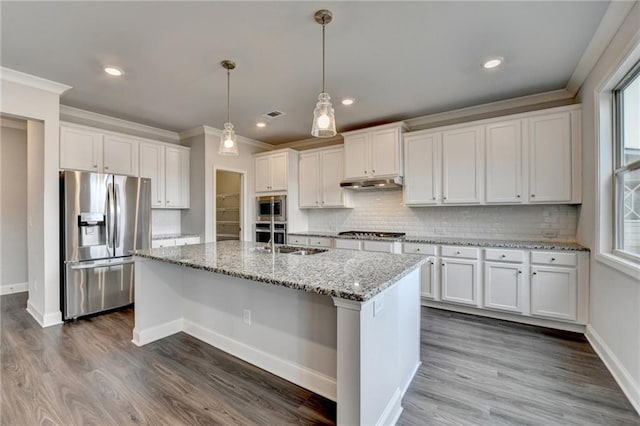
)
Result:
{"points": [[378, 305], [246, 316], [549, 234]]}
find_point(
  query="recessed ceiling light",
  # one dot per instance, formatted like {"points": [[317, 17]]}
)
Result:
{"points": [[114, 71], [261, 124], [348, 101], [493, 63]]}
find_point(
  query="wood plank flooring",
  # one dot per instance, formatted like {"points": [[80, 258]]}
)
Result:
{"points": [[475, 371]]}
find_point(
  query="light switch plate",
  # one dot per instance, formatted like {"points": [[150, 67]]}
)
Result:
{"points": [[378, 305]]}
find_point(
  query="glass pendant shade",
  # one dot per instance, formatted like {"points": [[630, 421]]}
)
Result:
{"points": [[228, 143], [324, 121]]}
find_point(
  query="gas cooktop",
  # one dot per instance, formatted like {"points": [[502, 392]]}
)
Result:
{"points": [[372, 234]]}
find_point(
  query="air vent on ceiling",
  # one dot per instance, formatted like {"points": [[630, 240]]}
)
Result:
{"points": [[273, 114]]}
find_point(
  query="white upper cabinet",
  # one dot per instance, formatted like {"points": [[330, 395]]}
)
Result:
{"points": [[422, 164], [80, 149], [462, 165], [176, 177], [533, 157], [319, 181], [504, 172], [168, 168], [152, 166], [120, 155], [550, 158], [95, 151], [271, 172], [373, 152]]}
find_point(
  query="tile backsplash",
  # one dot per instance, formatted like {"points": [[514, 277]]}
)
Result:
{"points": [[384, 211], [165, 222]]}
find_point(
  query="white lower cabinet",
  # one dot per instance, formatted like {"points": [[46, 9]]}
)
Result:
{"points": [[554, 292], [297, 240], [173, 242], [459, 281], [503, 286]]}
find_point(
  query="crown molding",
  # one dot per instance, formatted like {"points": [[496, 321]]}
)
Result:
{"points": [[523, 102], [81, 116], [13, 124], [7, 74], [311, 143], [614, 16], [212, 131]]}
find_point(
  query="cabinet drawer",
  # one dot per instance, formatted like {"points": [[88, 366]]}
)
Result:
{"points": [[171, 242], [554, 258], [502, 255], [380, 246], [460, 252], [319, 242], [348, 244], [418, 248], [187, 240], [297, 240]]}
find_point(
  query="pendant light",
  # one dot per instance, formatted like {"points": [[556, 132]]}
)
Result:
{"points": [[228, 143], [324, 122]]}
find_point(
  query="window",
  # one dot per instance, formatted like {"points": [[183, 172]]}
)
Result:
{"points": [[627, 165]]}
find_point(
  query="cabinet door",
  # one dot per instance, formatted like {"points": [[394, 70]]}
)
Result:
{"points": [[504, 162], [120, 155], [176, 178], [462, 165], [428, 280], [460, 281], [356, 159], [152, 166], [263, 174], [385, 152], [503, 286], [422, 169], [279, 172], [550, 158], [308, 181], [331, 174], [554, 292], [80, 150]]}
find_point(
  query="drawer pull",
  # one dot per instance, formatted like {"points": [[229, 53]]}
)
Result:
{"points": [[553, 259], [418, 249], [458, 252], [503, 256], [519, 271], [535, 273]]}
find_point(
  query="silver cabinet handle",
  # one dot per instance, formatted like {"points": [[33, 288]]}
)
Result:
{"points": [[553, 259], [535, 273], [519, 271], [373, 171], [159, 201], [533, 195], [95, 166], [518, 196], [503, 256], [457, 252], [418, 249], [106, 167], [94, 265], [433, 198]]}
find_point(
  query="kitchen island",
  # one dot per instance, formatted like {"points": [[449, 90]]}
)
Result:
{"points": [[342, 323]]}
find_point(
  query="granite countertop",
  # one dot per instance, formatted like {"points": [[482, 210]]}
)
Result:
{"points": [[459, 241], [347, 274], [168, 236]]}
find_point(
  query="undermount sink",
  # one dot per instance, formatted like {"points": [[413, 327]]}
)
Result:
{"points": [[300, 251]]}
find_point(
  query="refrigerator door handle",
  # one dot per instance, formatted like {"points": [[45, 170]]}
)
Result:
{"points": [[94, 265], [111, 219], [117, 217]]}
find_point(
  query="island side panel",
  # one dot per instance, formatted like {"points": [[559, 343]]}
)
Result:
{"points": [[290, 333], [378, 353], [158, 300]]}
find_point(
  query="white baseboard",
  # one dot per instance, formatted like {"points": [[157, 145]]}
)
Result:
{"points": [[626, 382], [406, 385], [35, 313], [52, 318], [142, 337], [13, 288], [295, 373], [392, 411]]}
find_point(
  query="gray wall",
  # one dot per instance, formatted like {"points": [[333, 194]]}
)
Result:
{"points": [[13, 204]]}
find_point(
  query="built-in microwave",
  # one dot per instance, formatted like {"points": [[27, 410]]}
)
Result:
{"points": [[263, 208]]}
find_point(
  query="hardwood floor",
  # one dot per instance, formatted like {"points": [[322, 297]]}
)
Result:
{"points": [[475, 371]]}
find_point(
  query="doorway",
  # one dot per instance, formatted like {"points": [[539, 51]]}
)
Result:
{"points": [[228, 205]]}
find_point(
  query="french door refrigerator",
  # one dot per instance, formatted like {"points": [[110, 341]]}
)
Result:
{"points": [[103, 217]]}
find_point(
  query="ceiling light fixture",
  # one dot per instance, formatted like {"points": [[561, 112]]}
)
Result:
{"points": [[114, 71], [261, 124], [228, 143], [493, 63], [324, 122], [348, 101]]}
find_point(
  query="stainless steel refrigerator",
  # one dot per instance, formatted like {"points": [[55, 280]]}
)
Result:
{"points": [[103, 217]]}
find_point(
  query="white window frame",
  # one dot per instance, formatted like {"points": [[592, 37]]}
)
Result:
{"points": [[620, 169]]}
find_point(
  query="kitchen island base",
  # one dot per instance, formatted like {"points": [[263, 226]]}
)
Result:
{"points": [[363, 355]]}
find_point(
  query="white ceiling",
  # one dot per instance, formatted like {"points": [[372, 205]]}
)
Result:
{"points": [[397, 59]]}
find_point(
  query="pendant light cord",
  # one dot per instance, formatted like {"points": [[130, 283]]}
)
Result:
{"points": [[228, 91], [323, 25]]}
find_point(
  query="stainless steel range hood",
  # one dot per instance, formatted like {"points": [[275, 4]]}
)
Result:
{"points": [[372, 184]]}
